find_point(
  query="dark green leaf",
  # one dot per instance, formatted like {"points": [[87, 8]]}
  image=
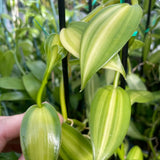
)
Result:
{"points": [[37, 68], [14, 96], [32, 85], [6, 63], [11, 83]]}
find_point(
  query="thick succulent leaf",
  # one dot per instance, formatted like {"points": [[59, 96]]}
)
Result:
{"points": [[74, 145], [105, 35], [134, 82], [40, 133], [134, 132], [109, 120], [140, 96], [71, 37], [31, 84], [11, 83], [135, 154], [115, 64]]}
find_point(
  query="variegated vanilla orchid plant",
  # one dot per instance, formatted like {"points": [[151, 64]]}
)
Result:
{"points": [[95, 41]]}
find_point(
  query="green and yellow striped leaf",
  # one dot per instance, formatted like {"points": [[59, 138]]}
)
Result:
{"points": [[109, 120], [105, 35], [74, 145], [40, 133], [135, 154], [71, 39]]}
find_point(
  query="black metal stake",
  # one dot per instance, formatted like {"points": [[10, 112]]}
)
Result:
{"points": [[147, 26], [61, 9], [124, 57], [90, 6]]}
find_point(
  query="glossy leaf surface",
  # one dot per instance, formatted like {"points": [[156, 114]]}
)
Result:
{"points": [[135, 154], [71, 37], [71, 40], [101, 42], [40, 133], [74, 145], [109, 120]]}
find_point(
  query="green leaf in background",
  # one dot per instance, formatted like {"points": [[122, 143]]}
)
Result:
{"points": [[90, 90], [6, 63], [133, 132], [9, 156], [135, 154], [26, 47], [138, 96], [14, 96], [11, 83], [37, 68], [109, 120], [109, 76], [136, 45], [116, 65], [155, 58], [147, 45], [40, 133], [31, 84], [101, 42], [40, 20], [134, 82], [74, 145], [71, 37]]}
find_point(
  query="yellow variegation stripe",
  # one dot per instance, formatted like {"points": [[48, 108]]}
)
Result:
{"points": [[71, 40], [40, 133], [109, 120], [105, 35], [74, 145]]}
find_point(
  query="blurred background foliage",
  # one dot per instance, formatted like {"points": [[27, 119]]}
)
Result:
{"points": [[24, 26]]}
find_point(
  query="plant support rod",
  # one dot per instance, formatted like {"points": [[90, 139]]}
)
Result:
{"points": [[61, 10], [125, 56]]}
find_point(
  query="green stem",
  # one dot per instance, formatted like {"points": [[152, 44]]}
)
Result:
{"points": [[152, 132], [116, 79], [63, 101], [129, 66], [40, 92]]}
